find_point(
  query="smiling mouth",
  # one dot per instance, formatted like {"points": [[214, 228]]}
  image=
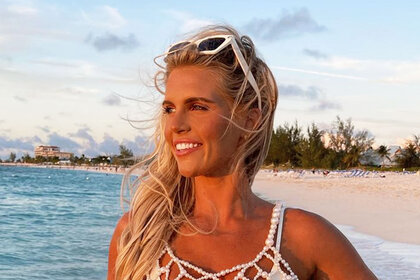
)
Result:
{"points": [[186, 146]]}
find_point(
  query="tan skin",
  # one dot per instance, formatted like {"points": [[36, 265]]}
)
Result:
{"points": [[312, 246]]}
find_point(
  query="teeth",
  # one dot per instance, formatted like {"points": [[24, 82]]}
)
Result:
{"points": [[183, 146]]}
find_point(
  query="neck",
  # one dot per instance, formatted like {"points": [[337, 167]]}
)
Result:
{"points": [[228, 198]]}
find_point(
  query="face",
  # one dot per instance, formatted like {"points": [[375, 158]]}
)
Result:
{"points": [[202, 142]]}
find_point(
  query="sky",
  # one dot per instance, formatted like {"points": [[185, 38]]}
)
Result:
{"points": [[79, 74]]}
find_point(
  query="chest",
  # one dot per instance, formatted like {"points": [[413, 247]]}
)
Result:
{"points": [[219, 252], [249, 252]]}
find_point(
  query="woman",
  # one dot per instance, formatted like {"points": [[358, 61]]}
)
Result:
{"points": [[193, 214]]}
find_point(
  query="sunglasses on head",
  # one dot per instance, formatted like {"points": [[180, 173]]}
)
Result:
{"points": [[214, 44]]}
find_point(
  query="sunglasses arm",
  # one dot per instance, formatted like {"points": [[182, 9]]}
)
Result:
{"points": [[245, 68]]}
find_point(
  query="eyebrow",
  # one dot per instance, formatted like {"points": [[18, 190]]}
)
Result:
{"points": [[191, 100]]}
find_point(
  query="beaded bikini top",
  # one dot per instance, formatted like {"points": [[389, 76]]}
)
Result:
{"points": [[280, 269]]}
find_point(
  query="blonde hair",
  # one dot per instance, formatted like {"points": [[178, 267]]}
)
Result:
{"points": [[161, 198]]}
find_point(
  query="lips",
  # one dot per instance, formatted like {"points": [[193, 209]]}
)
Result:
{"points": [[184, 146]]}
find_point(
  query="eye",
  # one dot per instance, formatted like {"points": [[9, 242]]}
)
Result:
{"points": [[167, 110], [197, 107]]}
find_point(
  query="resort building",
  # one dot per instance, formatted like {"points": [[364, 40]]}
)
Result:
{"points": [[51, 151], [371, 157]]}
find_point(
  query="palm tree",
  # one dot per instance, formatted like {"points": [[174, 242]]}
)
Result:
{"points": [[383, 152]]}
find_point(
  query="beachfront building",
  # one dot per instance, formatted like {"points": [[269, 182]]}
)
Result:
{"points": [[51, 151], [371, 157]]}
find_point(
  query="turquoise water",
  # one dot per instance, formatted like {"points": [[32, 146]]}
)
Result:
{"points": [[56, 224]]}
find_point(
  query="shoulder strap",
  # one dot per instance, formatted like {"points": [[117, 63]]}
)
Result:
{"points": [[280, 227]]}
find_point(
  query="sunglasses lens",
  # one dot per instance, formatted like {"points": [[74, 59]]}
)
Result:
{"points": [[210, 44], [179, 46]]}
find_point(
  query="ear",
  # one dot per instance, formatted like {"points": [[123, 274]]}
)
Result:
{"points": [[253, 118]]}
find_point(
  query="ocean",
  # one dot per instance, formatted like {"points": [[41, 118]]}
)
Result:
{"points": [[57, 224]]}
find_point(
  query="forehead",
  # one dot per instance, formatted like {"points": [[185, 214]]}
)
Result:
{"points": [[193, 81]]}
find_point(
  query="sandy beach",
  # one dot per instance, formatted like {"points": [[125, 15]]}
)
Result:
{"points": [[386, 205]]}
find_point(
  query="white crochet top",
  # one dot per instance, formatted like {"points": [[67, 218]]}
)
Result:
{"points": [[279, 271]]}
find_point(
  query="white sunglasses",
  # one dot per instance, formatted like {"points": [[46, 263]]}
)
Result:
{"points": [[214, 44]]}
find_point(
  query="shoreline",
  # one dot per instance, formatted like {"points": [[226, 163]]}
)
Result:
{"points": [[387, 207], [97, 169]]}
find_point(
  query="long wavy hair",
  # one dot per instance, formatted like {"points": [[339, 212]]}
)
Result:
{"points": [[161, 199]]}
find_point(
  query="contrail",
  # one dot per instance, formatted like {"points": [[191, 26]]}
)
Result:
{"points": [[319, 73]]}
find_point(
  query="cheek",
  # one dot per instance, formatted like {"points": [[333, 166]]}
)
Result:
{"points": [[224, 137]]}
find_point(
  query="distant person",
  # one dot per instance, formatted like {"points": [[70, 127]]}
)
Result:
{"points": [[193, 214]]}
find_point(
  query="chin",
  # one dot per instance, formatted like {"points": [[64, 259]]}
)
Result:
{"points": [[188, 172]]}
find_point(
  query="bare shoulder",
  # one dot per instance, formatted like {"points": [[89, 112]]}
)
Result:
{"points": [[113, 246], [321, 247]]}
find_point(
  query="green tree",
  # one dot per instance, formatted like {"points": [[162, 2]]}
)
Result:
{"points": [[284, 145], [347, 143], [40, 159], [27, 158], [383, 152], [311, 150], [410, 155], [126, 155], [53, 159], [12, 157]]}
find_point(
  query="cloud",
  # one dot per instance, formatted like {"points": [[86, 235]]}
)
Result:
{"points": [[19, 98], [380, 71], [22, 10], [338, 62], [319, 73], [5, 61], [20, 24], [293, 90], [54, 62], [65, 114], [311, 93], [109, 41], [82, 70], [289, 24], [112, 100], [104, 17], [75, 90], [65, 143], [324, 105], [46, 129], [315, 54], [80, 142], [83, 133], [109, 145], [188, 22], [18, 145], [140, 146]]}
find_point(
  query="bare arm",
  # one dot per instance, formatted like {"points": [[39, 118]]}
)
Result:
{"points": [[316, 249], [335, 257], [113, 246]]}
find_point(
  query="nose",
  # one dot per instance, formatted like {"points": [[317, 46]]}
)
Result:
{"points": [[179, 122]]}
